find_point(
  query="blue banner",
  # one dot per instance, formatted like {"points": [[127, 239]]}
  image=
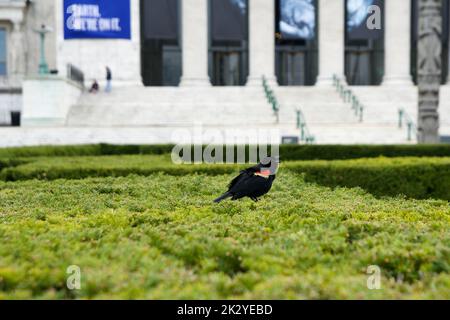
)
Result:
{"points": [[97, 19]]}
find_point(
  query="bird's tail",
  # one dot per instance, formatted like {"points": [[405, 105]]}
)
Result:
{"points": [[223, 197]]}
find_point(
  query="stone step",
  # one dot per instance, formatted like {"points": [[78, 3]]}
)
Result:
{"points": [[359, 134], [163, 110], [325, 134], [135, 115], [176, 95]]}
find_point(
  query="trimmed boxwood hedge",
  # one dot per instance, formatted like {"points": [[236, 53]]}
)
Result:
{"points": [[50, 151], [343, 152], [287, 152], [162, 237], [51, 168], [413, 177], [7, 163]]}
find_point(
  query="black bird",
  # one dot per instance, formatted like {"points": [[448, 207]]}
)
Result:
{"points": [[253, 182]]}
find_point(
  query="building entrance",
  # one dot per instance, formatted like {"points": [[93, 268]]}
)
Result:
{"points": [[228, 42], [295, 66], [228, 68], [364, 62], [364, 42], [160, 42], [296, 51]]}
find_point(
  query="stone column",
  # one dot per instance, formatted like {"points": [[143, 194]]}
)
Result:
{"points": [[448, 57], [261, 42], [17, 53], [397, 42], [194, 17], [331, 40]]}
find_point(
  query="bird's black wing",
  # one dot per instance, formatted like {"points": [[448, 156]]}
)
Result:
{"points": [[253, 186], [244, 174]]}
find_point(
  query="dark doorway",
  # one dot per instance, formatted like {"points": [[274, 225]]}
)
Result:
{"points": [[364, 48], [296, 53], [364, 62], [228, 42], [296, 65], [228, 68], [160, 42], [291, 63], [445, 40]]}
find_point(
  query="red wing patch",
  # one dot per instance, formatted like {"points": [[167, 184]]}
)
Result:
{"points": [[263, 173]]}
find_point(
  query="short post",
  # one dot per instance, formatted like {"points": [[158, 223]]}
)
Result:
{"points": [[409, 131], [349, 96], [361, 113], [270, 97], [400, 118], [310, 139]]}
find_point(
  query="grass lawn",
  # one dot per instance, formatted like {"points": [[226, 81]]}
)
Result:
{"points": [[139, 227]]}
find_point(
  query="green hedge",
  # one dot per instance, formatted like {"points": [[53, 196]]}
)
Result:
{"points": [[162, 237], [47, 151], [287, 152], [343, 152], [413, 177], [51, 168], [7, 163]]}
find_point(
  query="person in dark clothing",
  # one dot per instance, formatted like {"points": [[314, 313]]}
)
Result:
{"points": [[94, 87], [108, 80]]}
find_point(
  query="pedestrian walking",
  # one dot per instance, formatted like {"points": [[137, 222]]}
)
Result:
{"points": [[108, 80]]}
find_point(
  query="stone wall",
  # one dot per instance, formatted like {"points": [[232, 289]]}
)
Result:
{"points": [[47, 100]]}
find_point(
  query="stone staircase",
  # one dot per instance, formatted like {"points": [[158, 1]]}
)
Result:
{"points": [[329, 118], [332, 121], [383, 103], [139, 115], [162, 107]]}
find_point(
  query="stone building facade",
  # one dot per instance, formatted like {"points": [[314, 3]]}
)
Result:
{"points": [[197, 56]]}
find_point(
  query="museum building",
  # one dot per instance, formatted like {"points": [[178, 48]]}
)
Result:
{"points": [[301, 47]]}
